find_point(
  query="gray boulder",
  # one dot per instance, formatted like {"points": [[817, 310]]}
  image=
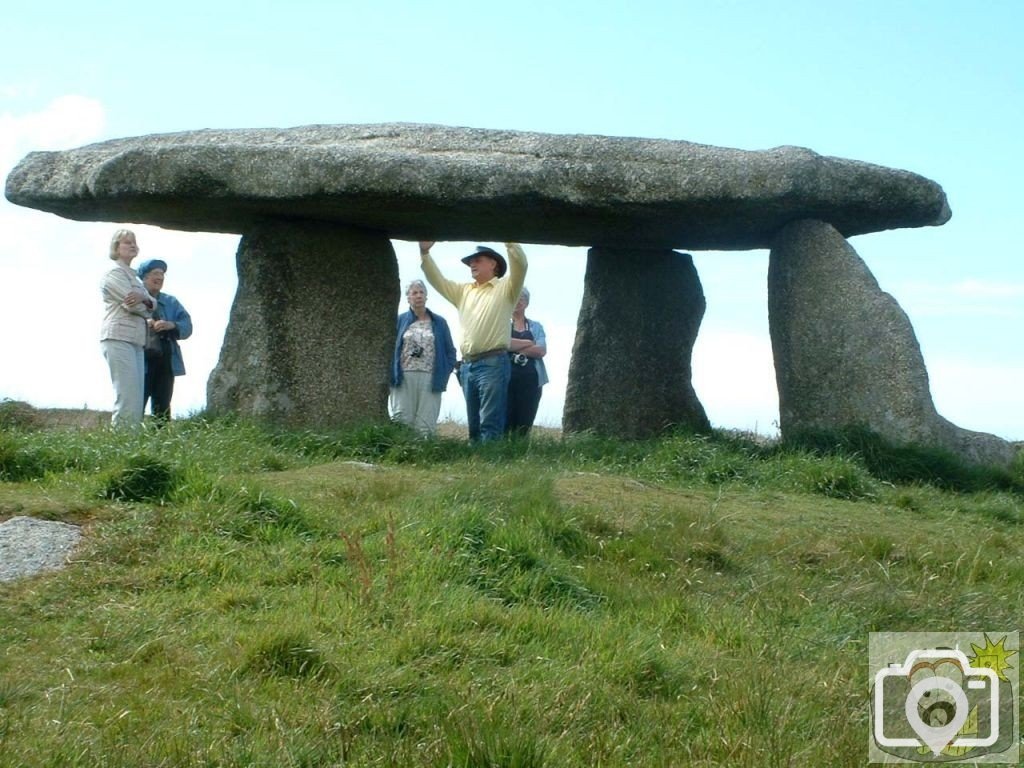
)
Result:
{"points": [[846, 354], [436, 182], [630, 374], [312, 327]]}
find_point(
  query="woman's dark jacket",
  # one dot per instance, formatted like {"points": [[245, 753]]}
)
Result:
{"points": [[444, 351]]}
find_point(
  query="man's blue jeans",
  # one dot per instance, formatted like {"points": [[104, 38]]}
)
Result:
{"points": [[485, 385]]}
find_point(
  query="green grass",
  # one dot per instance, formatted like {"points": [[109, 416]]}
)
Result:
{"points": [[254, 598]]}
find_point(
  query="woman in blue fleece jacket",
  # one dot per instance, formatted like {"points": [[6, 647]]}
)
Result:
{"points": [[170, 323], [424, 359]]}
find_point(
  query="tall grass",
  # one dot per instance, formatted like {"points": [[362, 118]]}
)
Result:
{"points": [[909, 463], [250, 597]]}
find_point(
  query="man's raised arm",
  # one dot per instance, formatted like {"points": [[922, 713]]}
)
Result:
{"points": [[447, 288], [516, 268]]}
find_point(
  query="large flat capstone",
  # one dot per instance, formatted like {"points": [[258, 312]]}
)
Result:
{"points": [[435, 182]]}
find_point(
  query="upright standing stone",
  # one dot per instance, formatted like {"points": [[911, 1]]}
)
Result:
{"points": [[845, 351], [630, 373], [312, 327]]}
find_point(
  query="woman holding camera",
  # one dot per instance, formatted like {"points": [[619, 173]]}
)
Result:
{"points": [[526, 349], [423, 361]]}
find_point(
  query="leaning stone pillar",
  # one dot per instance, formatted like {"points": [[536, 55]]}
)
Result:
{"points": [[845, 351], [311, 331], [630, 372]]}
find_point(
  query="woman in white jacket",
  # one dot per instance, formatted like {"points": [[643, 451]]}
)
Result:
{"points": [[123, 334]]}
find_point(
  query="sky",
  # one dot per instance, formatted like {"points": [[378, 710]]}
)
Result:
{"points": [[932, 86]]}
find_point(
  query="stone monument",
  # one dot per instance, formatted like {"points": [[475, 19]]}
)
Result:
{"points": [[311, 328]]}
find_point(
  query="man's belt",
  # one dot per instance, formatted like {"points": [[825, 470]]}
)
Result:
{"points": [[482, 355]]}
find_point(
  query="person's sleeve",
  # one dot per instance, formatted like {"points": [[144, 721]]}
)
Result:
{"points": [[182, 320], [116, 287], [447, 288], [516, 269], [399, 330], [539, 339], [449, 344], [141, 308]]}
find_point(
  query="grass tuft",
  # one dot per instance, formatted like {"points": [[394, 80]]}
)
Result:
{"points": [[491, 745], [252, 514], [906, 463], [512, 541], [142, 478], [837, 477], [285, 654], [17, 462]]}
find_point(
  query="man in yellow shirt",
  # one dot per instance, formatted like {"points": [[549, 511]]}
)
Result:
{"points": [[485, 314]]}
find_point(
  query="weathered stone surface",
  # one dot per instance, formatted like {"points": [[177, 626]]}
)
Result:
{"points": [[312, 327], [845, 352], [436, 182], [630, 373]]}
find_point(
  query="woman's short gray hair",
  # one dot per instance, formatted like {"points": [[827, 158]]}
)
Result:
{"points": [[525, 294], [416, 284], [119, 235]]}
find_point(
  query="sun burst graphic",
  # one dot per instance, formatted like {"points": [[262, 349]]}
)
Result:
{"points": [[993, 656]]}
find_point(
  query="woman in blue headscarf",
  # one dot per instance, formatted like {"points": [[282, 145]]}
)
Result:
{"points": [[170, 323]]}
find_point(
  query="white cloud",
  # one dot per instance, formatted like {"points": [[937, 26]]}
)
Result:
{"points": [[967, 298], [65, 122], [986, 289], [16, 90], [981, 396], [50, 270], [41, 284], [734, 377]]}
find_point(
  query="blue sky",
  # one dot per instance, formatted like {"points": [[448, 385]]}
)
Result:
{"points": [[934, 87]]}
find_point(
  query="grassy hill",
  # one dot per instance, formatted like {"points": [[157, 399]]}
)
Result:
{"points": [[255, 598]]}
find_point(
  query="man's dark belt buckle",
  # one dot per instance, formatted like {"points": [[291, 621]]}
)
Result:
{"points": [[482, 355]]}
